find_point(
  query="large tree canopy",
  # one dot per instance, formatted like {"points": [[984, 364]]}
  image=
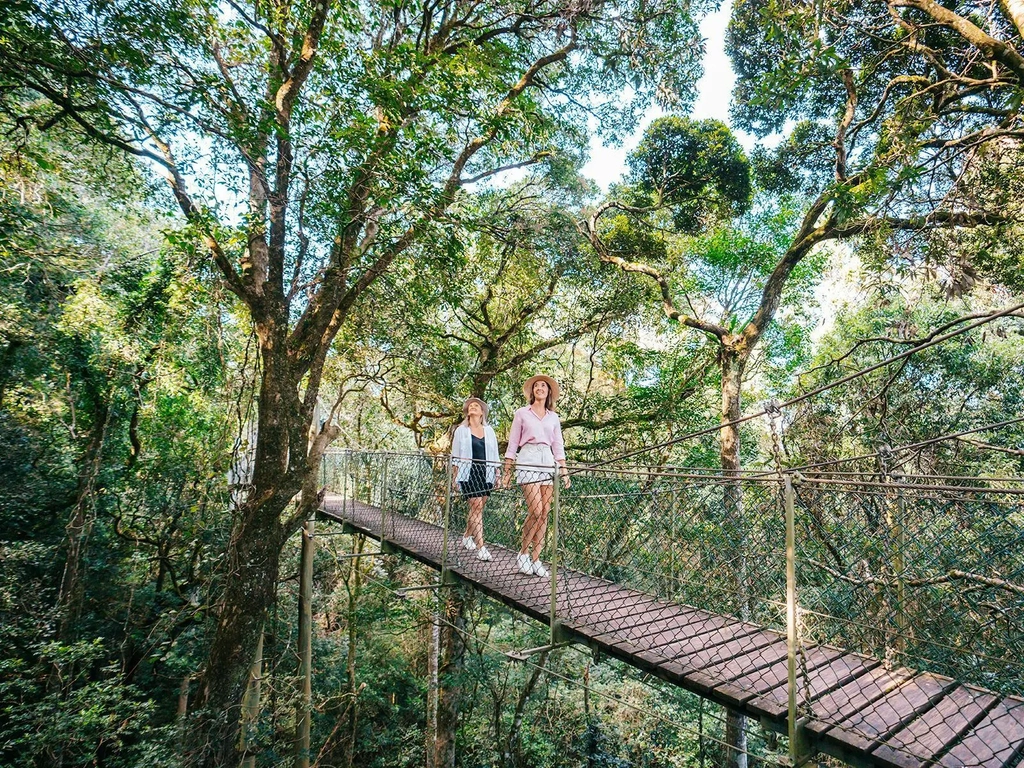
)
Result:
{"points": [[896, 105]]}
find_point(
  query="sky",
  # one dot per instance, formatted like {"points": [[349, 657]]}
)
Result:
{"points": [[715, 89]]}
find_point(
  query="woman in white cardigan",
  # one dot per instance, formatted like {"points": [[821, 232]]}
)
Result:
{"points": [[475, 468]]}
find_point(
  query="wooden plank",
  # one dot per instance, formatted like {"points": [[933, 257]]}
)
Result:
{"points": [[995, 742], [836, 673], [617, 612], [864, 729], [698, 634], [525, 588], [657, 620], [425, 549], [857, 694], [423, 556], [666, 619], [347, 516], [589, 599], [611, 606], [692, 665], [747, 654], [691, 676], [765, 657], [914, 745], [680, 628], [737, 640], [615, 615], [501, 573], [573, 578], [701, 637], [534, 601], [762, 680]]}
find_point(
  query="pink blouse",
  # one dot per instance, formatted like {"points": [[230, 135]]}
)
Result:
{"points": [[528, 428]]}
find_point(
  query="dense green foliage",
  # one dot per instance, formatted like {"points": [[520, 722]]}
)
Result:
{"points": [[971, 381], [115, 431]]}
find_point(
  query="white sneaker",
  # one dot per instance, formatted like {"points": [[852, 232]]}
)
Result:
{"points": [[483, 554], [540, 570], [468, 543], [525, 564]]}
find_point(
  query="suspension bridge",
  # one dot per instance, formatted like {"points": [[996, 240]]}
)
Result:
{"points": [[878, 619]]}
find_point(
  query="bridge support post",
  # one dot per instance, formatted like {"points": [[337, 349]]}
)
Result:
{"points": [[671, 592], [446, 522], [799, 751], [305, 643], [348, 481], [383, 496], [895, 519], [344, 484], [799, 745], [356, 461], [553, 532]]}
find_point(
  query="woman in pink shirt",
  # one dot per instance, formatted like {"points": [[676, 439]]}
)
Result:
{"points": [[535, 443]]}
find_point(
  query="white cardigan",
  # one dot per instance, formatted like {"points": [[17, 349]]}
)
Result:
{"points": [[462, 452]]}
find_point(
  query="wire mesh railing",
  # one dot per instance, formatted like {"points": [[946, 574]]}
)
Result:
{"points": [[879, 615]]}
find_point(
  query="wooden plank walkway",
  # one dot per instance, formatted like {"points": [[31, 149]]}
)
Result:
{"points": [[861, 712]]}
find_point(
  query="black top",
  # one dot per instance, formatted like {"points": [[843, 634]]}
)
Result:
{"points": [[479, 450]]}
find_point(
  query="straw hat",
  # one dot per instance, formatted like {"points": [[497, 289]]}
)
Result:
{"points": [[482, 404], [552, 386]]}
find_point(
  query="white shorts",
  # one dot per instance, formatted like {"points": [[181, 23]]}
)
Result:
{"points": [[535, 465]]}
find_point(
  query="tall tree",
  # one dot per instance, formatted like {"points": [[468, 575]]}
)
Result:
{"points": [[899, 98], [715, 283], [963, 385], [685, 175], [911, 115]]}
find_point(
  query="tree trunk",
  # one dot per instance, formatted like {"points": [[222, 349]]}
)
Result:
{"points": [[78, 527], [591, 723], [511, 756], [251, 708], [1015, 10], [182, 712], [308, 505], [733, 364], [305, 703], [6, 364], [253, 559]]}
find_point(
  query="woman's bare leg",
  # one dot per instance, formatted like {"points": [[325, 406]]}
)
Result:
{"points": [[546, 492], [534, 516], [475, 524], [468, 533]]}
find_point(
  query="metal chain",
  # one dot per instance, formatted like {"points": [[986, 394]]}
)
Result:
{"points": [[801, 654], [885, 461], [772, 411]]}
